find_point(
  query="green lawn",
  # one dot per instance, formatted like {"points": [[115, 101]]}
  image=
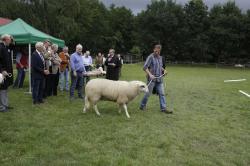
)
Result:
{"points": [[210, 125]]}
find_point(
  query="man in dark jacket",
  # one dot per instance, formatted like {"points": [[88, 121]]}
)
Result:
{"points": [[38, 73], [6, 70]]}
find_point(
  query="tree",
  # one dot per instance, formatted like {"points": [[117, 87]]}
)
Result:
{"points": [[196, 15], [226, 32], [162, 22]]}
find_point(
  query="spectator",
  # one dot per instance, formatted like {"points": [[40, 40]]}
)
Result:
{"points": [[113, 64], [56, 61], [6, 70], [99, 62], [77, 70], [38, 73], [64, 69], [47, 54], [21, 66], [87, 61]]}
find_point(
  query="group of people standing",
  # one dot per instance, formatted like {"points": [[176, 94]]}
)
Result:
{"points": [[50, 69], [47, 68], [81, 63]]}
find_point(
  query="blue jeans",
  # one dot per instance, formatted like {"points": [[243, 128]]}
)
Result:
{"points": [[160, 89], [64, 80], [74, 80], [20, 78]]}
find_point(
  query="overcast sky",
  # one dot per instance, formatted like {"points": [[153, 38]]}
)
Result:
{"points": [[137, 5]]}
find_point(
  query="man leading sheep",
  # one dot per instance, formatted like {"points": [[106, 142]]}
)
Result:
{"points": [[154, 70]]}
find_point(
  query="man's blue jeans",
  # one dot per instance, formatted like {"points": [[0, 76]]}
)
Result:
{"points": [[64, 80], [74, 80], [20, 78], [160, 89]]}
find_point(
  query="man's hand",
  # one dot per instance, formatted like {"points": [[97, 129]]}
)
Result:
{"points": [[84, 74], [46, 72], [151, 76], [165, 72]]}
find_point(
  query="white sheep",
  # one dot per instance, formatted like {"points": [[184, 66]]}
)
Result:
{"points": [[1, 78], [96, 72], [121, 92]]}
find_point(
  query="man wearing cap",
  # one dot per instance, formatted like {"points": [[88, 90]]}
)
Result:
{"points": [[6, 70]]}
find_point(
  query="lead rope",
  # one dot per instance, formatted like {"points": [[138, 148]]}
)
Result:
{"points": [[155, 78]]}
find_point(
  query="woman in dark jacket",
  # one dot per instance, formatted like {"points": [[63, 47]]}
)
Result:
{"points": [[113, 64]]}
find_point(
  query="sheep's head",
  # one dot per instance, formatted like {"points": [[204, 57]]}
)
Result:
{"points": [[142, 86]]}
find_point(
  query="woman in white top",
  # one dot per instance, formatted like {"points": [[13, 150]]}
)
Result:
{"points": [[88, 63]]}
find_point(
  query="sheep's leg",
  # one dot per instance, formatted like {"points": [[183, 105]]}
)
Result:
{"points": [[84, 109], [96, 110], [126, 110], [120, 108], [86, 105]]}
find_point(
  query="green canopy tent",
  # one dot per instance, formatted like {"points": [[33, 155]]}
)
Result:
{"points": [[23, 33]]}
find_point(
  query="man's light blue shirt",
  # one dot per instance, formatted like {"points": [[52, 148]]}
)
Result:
{"points": [[76, 62]]}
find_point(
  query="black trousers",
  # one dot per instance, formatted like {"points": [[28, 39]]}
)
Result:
{"points": [[55, 80], [37, 90]]}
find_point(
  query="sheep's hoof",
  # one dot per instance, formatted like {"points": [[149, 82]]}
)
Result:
{"points": [[84, 111]]}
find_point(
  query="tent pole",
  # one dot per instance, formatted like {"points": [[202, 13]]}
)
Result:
{"points": [[29, 92], [29, 68]]}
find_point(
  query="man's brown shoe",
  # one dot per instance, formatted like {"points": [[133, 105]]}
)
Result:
{"points": [[167, 111]]}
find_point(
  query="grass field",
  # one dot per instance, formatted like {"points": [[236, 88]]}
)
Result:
{"points": [[210, 125]]}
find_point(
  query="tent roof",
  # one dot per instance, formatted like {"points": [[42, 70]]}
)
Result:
{"points": [[4, 21], [23, 33]]}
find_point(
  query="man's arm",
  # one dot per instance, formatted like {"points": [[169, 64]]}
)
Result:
{"points": [[18, 59], [34, 64], [146, 66]]}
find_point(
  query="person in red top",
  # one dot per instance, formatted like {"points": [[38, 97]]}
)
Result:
{"points": [[21, 66], [64, 69]]}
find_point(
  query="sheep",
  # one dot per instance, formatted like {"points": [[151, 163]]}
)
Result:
{"points": [[121, 92], [96, 72], [1, 78]]}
